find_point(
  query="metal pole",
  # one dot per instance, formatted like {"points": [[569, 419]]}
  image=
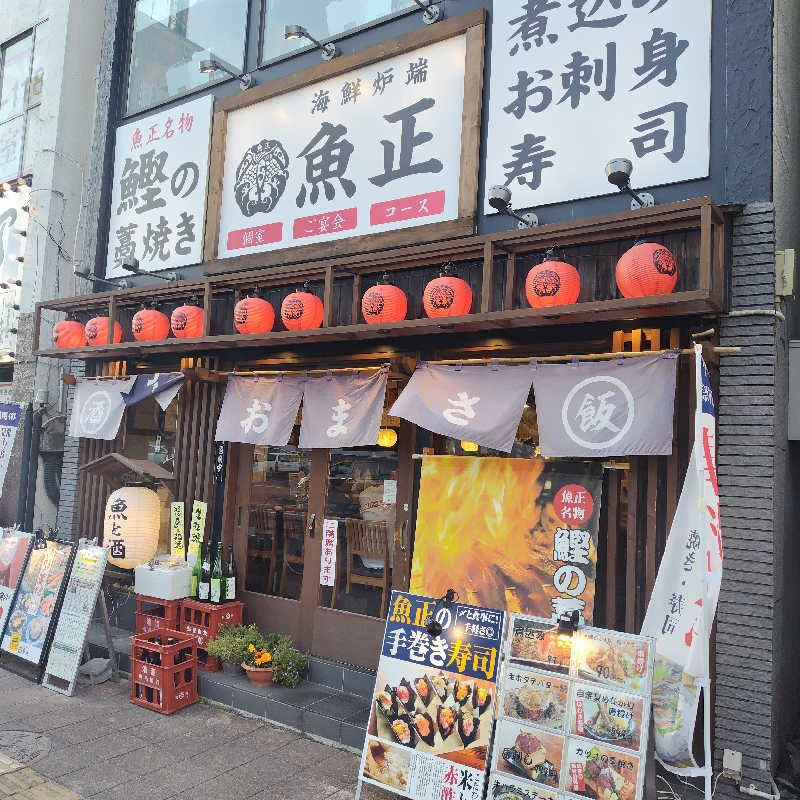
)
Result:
{"points": [[33, 469], [22, 497]]}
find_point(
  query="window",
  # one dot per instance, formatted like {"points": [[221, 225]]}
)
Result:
{"points": [[21, 84], [324, 20], [171, 37]]}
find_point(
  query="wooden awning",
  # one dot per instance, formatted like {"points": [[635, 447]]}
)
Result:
{"points": [[113, 467]]}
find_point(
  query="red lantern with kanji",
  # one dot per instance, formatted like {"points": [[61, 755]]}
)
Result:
{"points": [[646, 269], [302, 311], [149, 325], [96, 331], [384, 303], [253, 315], [552, 283], [187, 322], [447, 296], [69, 333]]}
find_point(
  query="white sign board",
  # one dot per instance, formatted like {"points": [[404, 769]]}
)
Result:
{"points": [[158, 203], [327, 564], [14, 217], [76, 614], [10, 418], [368, 151], [575, 84]]}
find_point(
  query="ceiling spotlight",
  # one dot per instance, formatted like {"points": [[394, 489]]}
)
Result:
{"points": [[618, 172], [329, 49], [209, 65], [568, 624], [131, 263], [431, 13], [500, 201], [432, 625]]}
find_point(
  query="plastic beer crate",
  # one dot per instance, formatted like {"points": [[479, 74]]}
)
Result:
{"points": [[204, 620], [163, 676]]}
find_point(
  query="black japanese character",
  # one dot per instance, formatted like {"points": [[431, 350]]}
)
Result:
{"points": [[185, 231], [320, 101], [128, 185], [417, 71], [524, 92], [532, 24], [119, 506], [382, 80], [527, 162], [186, 170], [661, 54], [150, 199], [407, 117], [676, 603], [640, 3], [126, 245], [581, 72], [327, 157], [142, 174], [156, 239], [655, 132], [117, 548], [584, 17], [351, 91]]}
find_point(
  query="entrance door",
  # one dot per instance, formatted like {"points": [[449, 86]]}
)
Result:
{"points": [[283, 496]]}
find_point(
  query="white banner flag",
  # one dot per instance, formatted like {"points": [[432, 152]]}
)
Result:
{"points": [[10, 416], [684, 600]]}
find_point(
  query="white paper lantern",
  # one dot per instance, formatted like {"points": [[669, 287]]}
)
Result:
{"points": [[131, 527]]}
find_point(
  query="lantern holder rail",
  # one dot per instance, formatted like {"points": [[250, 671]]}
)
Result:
{"points": [[696, 214]]}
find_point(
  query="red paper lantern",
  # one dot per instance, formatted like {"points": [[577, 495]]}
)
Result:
{"points": [[301, 311], [646, 269], [187, 322], [150, 325], [69, 333], [552, 283], [384, 303], [253, 315], [447, 296], [97, 331]]}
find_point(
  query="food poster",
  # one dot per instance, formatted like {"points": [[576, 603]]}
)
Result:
{"points": [[532, 525], [433, 707], [32, 610], [504, 787], [13, 550], [588, 692]]}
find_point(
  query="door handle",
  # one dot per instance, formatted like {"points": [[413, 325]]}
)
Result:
{"points": [[311, 520], [404, 535]]}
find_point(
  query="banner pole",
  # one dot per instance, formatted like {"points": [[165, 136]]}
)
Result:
{"points": [[707, 737]]}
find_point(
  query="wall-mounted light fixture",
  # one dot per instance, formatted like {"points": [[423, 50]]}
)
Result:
{"points": [[124, 283], [329, 49], [8, 284], [209, 65], [131, 263], [618, 172], [567, 625], [500, 200], [432, 625], [431, 13]]}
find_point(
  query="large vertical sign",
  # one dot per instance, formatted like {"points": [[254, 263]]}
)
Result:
{"points": [[10, 417], [577, 83], [14, 217], [431, 720], [158, 203], [371, 150]]}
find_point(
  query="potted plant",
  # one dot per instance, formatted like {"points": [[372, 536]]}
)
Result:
{"points": [[288, 663], [231, 645], [258, 666]]}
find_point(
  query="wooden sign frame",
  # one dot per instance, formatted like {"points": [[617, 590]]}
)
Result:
{"points": [[473, 24]]}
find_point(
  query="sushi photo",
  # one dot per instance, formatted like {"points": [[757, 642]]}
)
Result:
{"points": [[441, 686], [424, 689], [423, 724], [481, 698], [405, 695], [403, 731], [468, 726], [446, 720], [462, 692], [386, 703]]}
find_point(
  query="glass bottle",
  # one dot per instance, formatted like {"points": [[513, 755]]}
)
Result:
{"points": [[230, 577], [218, 589], [204, 586], [196, 569]]}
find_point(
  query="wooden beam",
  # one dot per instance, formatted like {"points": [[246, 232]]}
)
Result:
{"points": [[207, 300], [471, 121], [112, 317], [327, 298], [488, 274], [355, 309], [706, 241], [511, 278]]}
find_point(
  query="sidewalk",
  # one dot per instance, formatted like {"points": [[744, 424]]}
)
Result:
{"points": [[98, 745]]}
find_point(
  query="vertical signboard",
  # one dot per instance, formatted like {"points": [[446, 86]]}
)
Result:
{"points": [[177, 530], [76, 614], [573, 713], [10, 417], [13, 552], [158, 201], [367, 151], [430, 724], [575, 84]]}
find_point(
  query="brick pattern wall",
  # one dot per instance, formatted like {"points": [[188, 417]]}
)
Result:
{"points": [[748, 435], [69, 469]]}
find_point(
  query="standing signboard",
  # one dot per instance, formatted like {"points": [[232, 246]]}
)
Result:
{"points": [[573, 713], [35, 608], [10, 417], [158, 202], [430, 724], [76, 614], [575, 84], [13, 553]]}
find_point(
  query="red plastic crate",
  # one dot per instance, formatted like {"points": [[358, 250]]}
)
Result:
{"points": [[204, 620], [170, 685], [206, 662], [153, 613]]}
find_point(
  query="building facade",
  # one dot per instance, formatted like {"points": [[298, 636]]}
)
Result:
{"points": [[725, 192]]}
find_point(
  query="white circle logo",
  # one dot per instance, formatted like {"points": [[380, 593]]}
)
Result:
{"points": [[597, 411], [95, 411]]}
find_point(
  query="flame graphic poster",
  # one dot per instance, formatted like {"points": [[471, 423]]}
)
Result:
{"points": [[509, 533]]}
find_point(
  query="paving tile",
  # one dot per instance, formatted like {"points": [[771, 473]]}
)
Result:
{"points": [[87, 782], [325, 673], [136, 790], [255, 704], [236, 784], [50, 791], [340, 707], [341, 770], [302, 697], [64, 760], [359, 683], [115, 744], [267, 739], [144, 759], [284, 714], [318, 725], [352, 735]]}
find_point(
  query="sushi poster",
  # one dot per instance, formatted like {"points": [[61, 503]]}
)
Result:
{"points": [[532, 544], [431, 719], [13, 550], [573, 711], [36, 602]]}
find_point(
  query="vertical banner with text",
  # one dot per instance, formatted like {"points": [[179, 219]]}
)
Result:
{"points": [[197, 527], [10, 416], [177, 530]]}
